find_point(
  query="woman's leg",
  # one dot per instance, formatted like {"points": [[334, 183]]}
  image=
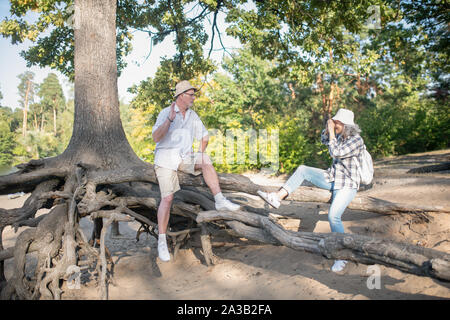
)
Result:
{"points": [[341, 199], [314, 175]]}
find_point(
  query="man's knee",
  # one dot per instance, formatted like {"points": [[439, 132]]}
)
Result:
{"points": [[167, 199], [204, 166], [203, 160]]}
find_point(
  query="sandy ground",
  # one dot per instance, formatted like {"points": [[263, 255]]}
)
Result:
{"points": [[249, 270]]}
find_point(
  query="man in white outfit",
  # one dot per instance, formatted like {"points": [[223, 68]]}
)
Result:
{"points": [[174, 133]]}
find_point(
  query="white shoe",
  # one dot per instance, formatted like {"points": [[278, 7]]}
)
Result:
{"points": [[163, 252], [271, 198], [338, 265], [226, 204]]}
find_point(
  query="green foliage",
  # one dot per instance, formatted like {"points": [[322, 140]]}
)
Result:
{"points": [[35, 145], [40, 140], [53, 36], [395, 117], [302, 61], [403, 120], [138, 130], [7, 142]]}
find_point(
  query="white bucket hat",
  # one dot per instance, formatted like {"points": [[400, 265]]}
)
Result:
{"points": [[345, 116], [183, 86]]}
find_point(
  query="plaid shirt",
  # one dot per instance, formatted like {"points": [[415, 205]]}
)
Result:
{"points": [[343, 171]]}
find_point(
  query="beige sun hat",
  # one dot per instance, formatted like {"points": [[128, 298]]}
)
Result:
{"points": [[345, 116], [183, 86]]}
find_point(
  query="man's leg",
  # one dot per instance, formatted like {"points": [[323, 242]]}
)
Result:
{"points": [[168, 185], [163, 221], [204, 163], [164, 213]]}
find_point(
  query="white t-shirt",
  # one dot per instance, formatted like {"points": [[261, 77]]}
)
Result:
{"points": [[177, 143]]}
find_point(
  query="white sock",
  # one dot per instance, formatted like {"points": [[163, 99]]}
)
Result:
{"points": [[219, 197], [162, 237]]}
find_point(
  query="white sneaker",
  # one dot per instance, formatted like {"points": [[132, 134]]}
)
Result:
{"points": [[226, 204], [271, 198], [163, 252], [338, 265]]}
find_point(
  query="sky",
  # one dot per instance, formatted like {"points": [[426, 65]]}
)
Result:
{"points": [[139, 67]]}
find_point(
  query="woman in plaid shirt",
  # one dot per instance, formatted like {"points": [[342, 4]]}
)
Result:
{"points": [[342, 179]]}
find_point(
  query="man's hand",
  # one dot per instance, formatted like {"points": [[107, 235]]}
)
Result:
{"points": [[164, 127], [172, 112]]}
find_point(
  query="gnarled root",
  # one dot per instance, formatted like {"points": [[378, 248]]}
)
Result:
{"points": [[127, 194]]}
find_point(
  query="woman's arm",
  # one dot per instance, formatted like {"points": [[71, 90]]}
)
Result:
{"points": [[324, 137], [344, 149]]}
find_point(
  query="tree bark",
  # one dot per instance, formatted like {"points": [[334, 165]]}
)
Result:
{"points": [[98, 137], [25, 110], [54, 121]]}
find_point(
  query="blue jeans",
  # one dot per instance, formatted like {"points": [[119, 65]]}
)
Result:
{"points": [[341, 198]]}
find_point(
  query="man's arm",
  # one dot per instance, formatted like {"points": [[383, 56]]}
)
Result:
{"points": [[159, 133], [204, 144]]}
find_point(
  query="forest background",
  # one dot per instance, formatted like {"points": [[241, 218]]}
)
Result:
{"points": [[288, 77]]}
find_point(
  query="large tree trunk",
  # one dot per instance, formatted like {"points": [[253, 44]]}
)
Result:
{"points": [[98, 149], [98, 137]]}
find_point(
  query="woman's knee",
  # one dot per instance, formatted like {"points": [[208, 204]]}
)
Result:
{"points": [[335, 212], [334, 218], [301, 168]]}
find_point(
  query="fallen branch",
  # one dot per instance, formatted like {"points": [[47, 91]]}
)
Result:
{"points": [[358, 248], [431, 168]]}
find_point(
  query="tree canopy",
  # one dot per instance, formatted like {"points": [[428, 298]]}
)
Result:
{"points": [[386, 60]]}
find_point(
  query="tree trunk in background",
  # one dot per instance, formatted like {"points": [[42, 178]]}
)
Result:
{"points": [[25, 110], [36, 126], [54, 117]]}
